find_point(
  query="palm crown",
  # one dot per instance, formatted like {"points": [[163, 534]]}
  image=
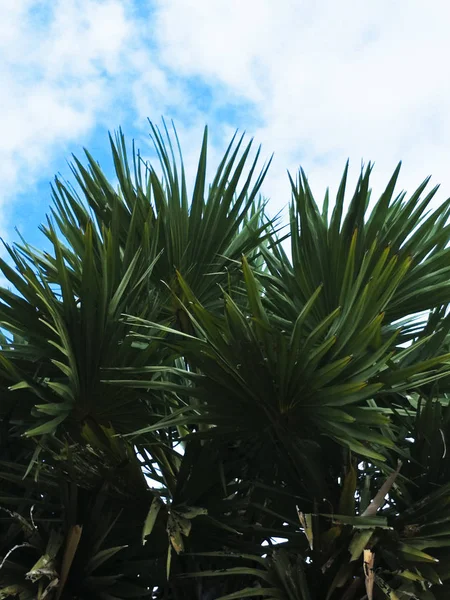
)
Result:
{"points": [[197, 405]]}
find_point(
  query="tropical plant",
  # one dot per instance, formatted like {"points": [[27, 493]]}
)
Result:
{"points": [[198, 404]]}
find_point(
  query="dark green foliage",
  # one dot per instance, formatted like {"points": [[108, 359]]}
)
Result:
{"points": [[192, 408]]}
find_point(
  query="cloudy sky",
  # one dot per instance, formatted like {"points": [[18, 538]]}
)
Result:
{"points": [[313, 82]]}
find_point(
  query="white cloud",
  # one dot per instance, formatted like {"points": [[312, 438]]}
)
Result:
{"points": [[70, 67], [319, 82], [59, 70], [329, 80]]}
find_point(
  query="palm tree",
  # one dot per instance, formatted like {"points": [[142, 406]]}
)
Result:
{"points": [[197, 404]]}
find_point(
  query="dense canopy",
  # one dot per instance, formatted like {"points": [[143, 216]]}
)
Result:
{"points": [[198, 403]]}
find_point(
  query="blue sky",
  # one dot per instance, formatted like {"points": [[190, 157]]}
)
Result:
{"points": [[314, 82]]}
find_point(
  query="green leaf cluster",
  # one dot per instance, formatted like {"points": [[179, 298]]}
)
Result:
{"points": [[195, 403]]}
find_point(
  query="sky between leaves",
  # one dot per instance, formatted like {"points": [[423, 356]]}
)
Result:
{"points": [[314, 82]]}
